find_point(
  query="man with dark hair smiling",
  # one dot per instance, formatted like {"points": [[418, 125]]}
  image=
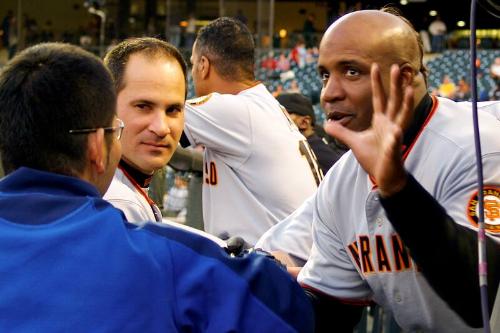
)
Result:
{"points": [[150, 80], [70, 260]]}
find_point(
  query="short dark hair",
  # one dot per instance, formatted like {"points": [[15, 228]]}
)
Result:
{"points": [[116, 59], [45, 91], [229, 46]]}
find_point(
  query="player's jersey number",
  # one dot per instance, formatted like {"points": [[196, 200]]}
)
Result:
{"points": [[210, 173], [306, 151]]}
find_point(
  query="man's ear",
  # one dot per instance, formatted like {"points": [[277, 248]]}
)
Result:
{"points": [[96, 151], [204, 67], [407, 74], [304, 122]]}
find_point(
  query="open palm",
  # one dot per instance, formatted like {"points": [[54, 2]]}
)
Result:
{"points": [[378, 148]]}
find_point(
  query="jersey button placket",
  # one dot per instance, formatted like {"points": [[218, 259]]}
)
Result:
{"points": [[397, 297]]}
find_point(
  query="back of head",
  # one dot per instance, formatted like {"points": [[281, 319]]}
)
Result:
{"points": [[116, 59], [229, 46], [46, 91], [296, 103]]}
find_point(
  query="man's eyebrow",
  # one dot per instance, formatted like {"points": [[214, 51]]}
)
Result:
{"points": [[142, 101], [176, 105], [351, 62]]}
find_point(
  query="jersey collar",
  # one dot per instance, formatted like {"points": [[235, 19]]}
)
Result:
{"points": [[423, 113], [140, 178]]}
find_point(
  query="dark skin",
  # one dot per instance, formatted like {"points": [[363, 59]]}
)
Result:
{"points": [[369, 89]]}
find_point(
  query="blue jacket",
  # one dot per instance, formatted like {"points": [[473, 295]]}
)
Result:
{"points": [[70, 262]]}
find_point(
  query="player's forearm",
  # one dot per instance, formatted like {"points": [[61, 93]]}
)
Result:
{"points": [[445, 251]]}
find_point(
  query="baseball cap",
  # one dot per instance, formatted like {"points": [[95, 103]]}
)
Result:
{"points": [[298, 104]]}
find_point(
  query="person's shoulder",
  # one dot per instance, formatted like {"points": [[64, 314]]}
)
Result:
{"points": [[453, 121], [120, 186], [198, 101], [214, 101]]}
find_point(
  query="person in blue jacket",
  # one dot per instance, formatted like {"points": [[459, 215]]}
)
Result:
{"points": [[69, 261]]}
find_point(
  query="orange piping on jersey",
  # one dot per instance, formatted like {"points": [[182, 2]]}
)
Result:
{"points": [[435, 103], [141, 191], [197, 101], [348, 301]]}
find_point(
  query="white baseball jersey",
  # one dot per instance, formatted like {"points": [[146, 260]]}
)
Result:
{"points": [[257, 164], [356, 254], [125, 196]]}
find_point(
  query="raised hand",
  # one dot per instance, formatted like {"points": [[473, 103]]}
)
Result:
{"points": [[378, 149]]}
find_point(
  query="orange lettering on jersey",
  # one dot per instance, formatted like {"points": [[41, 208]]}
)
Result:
{"points": [[207, 180], [491, 207], [366, 261], [210, 174], [401, 256], [353, 248], [213, 174], [383, 262]]}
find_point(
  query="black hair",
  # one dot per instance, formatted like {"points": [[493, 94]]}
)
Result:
{"points": [[116, 59], [229, 46], [45, 91]]}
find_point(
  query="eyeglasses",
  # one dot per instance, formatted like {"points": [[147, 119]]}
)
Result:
{"points": [[117, 129]]}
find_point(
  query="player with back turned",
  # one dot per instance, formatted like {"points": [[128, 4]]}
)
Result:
{"points": [[258, 167]]}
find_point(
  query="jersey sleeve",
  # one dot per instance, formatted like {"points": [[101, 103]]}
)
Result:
{"points": [[453, 244], [293, 234], [217, 293], [221, 123], [329, 269], [459, 194]]}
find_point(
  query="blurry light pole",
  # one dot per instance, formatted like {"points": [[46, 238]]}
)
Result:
{"points": [[271, 24], [222, 10], [102, 15], [167, 21]]}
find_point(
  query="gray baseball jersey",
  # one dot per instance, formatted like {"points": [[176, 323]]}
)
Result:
{"points": [[258, 167], [293, 234], [356, 254]]}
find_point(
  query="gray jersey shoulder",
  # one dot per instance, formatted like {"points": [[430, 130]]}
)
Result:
{"points": [[356, 254]]}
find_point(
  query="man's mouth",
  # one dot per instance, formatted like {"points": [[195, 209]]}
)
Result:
{"points": [[157, 144], [340, 117]]}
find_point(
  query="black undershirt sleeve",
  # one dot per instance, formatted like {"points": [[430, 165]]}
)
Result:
{"points": [[445, 251], [331, 315]]}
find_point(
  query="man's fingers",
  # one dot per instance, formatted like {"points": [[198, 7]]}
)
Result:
{"points": [[395, 93], [404, 117], [339, 132], [378, 94]]}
